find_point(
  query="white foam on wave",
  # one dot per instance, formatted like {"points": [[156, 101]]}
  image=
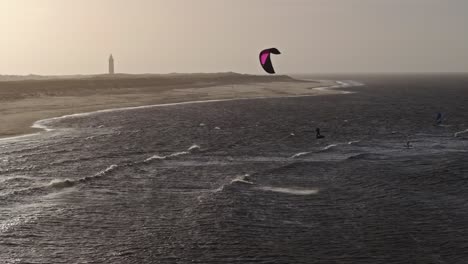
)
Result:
{"points": [[180, 153], [238, 179], [460, 132], [242, 179], [60, 184], [330, 146], [66, 183], [191, 149], [155, 157], [40, 125], [349, 83], [13, 222], [194, 147], [300, 154], [158, 157], [23, 214], [107, 170], [292, 191], [341, 84]]}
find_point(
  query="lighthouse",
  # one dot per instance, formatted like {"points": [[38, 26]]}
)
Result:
{"points": [[111, 64]]}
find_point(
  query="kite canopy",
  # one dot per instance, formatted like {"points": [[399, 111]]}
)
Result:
{"points": [[265, 60]]}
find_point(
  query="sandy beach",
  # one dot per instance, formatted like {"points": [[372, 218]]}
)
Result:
{"points": [[26, 101]]}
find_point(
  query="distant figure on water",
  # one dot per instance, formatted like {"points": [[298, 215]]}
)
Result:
{"points": [[439, 118], [408, 144], [317, 130]]}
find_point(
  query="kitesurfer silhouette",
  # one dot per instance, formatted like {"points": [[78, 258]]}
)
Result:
{"points": [[408, 144], [439, 119], [317, 130]]}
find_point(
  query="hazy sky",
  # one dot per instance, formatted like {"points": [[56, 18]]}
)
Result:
{"points": [[161, 36]]}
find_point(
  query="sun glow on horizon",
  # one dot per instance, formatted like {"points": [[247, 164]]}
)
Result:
{"points": [[161, 36]]}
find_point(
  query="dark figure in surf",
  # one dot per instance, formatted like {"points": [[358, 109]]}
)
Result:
{"points": [[439, 118], [318, 133], [408, 144]]}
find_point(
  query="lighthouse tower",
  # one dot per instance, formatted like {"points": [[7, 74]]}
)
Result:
{"points": [[111, 64]]}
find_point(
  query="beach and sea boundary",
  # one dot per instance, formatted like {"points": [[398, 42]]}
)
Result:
{"points": [[36, 102]]}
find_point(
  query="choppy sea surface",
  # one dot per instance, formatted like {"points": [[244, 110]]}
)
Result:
{"points": [[246, 181]]}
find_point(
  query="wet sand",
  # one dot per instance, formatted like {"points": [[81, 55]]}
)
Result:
{"points": [[26, 101]]}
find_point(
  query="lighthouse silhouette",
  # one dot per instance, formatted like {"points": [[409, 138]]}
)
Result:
{"points": [[111, 64]]}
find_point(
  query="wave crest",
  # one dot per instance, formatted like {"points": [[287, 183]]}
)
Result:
{"points": [[292, 191], [61, 184], [191, 149]]}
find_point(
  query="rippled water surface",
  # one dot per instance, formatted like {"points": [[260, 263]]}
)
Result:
{"points": [[246, 181]]}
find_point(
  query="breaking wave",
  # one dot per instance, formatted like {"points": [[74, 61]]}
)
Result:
{"points": [[67, 183], [191, 149], [194, 147], [460, 132], [61, 184], [292, 191], [242, 179], [58, 184], [330, 146], [300, 154]]}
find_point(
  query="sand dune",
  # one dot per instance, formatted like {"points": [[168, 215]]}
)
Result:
{"points": [[25, 101]]}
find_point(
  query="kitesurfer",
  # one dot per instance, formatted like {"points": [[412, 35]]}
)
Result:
{"points": [[317, 130], [408, 144], [439, 118]]}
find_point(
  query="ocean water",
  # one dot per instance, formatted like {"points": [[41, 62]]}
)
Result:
{"points": [[246, 181]]}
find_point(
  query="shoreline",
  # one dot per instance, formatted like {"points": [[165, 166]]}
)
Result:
{"points": [[45, 128], [192, 95]]}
